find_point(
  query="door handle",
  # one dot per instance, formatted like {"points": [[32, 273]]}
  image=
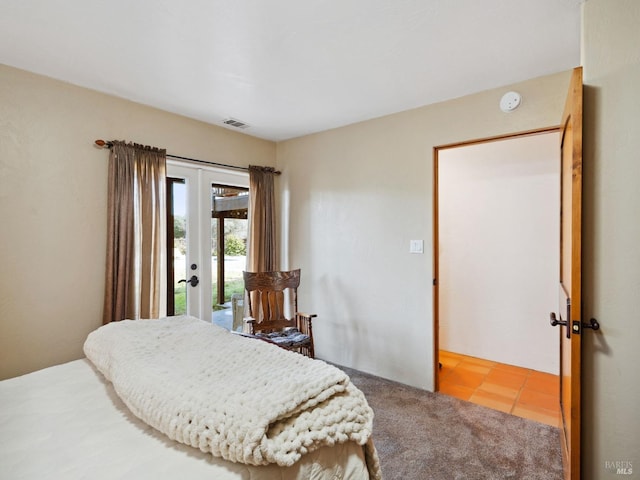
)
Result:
{"points": [[193, 281], [577, 326], [593, 324], [554, 321]]}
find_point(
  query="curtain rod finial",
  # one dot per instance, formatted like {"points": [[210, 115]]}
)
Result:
{"points": [[102, 143]]}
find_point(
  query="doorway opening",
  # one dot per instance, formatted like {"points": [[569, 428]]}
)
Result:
{"points": [[496, 261]]}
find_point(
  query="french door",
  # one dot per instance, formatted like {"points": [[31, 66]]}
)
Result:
{"points": [[196, 256]]}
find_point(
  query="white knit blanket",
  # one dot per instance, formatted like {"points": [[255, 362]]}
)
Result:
{"points": [[241, 399]]}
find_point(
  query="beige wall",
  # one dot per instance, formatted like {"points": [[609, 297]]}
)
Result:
{"points": [[53, 205], [611, 383], [352, 200]]}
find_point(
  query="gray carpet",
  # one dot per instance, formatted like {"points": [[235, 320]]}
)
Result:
{"points": [[422, 435]]}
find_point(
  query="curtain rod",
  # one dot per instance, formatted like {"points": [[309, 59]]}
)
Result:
{"points": [[102, 143]]}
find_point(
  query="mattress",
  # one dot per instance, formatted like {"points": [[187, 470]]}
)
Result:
{"points": [[66, 422]]}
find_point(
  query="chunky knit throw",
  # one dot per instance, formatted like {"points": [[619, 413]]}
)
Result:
{"points": [[241, 399]]}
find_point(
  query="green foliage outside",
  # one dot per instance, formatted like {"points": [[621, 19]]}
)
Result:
{"points": [[234, 246], [180, 234], [180, 300], [231, 286], [235, 232], [179, 226]]}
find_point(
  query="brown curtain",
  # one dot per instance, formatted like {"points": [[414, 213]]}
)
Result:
{"points": [[262, 251], [135, 232]]}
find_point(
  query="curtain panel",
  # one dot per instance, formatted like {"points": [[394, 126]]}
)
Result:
{"points": [[262, 251], [136, 233]]}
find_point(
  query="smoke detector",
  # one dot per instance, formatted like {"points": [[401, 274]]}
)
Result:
{"points": [[510, 101]]}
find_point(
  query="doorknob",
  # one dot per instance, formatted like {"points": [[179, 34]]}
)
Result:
{"points": [[193, 281]]}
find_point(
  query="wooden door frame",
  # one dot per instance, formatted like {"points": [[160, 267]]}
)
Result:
{"points": [[436, 261]]}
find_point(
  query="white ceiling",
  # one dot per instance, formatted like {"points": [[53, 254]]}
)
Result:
{"points": [[290, 67]]}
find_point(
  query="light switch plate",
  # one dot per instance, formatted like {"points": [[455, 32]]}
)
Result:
{"points": [[416, 246]]}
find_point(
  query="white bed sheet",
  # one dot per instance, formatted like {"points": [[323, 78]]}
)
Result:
{"points": [[66, 422]]}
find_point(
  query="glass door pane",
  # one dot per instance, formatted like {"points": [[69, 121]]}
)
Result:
{"points": [[228, 253], [179, 251], [184, 291]]}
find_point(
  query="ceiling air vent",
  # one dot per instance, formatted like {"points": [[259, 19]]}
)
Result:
{"points": [[235, 123]]}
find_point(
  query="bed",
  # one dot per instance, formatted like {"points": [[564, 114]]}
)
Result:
{"points": [[129, 410]]}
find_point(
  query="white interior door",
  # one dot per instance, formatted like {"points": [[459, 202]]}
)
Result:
{"points": [[197, 206]]}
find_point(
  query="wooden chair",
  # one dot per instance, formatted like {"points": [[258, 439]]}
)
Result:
{"points": [[268, 295]]}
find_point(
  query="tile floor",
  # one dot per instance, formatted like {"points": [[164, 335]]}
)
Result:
{"points": [[519, 391]]}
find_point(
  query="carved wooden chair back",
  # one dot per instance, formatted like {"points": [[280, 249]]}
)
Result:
{"points": [[266, 294], [272, 306]]}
